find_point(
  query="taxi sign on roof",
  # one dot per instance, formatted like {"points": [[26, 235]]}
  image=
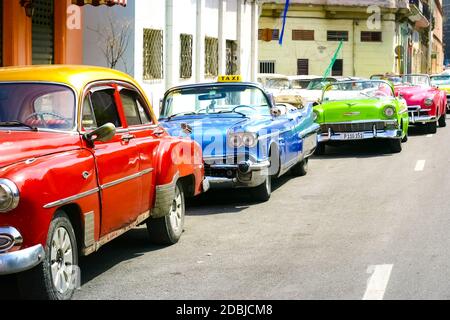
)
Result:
{"points": [[230, 78]]}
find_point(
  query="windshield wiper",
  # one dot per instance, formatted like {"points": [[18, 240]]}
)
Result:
{"points": [[16, 124], [180, 114]]}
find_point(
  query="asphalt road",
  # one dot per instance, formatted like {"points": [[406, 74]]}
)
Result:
{"points": [[362, 224]]}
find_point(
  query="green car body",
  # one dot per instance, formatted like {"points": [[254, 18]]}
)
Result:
{"points": [[362, 119]]}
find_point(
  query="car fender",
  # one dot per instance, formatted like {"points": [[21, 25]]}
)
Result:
{"points": [[51, 181]]}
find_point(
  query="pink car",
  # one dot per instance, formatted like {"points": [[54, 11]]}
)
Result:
{"points": [[426, 103]]}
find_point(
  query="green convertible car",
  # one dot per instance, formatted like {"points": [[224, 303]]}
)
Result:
{"points": [[361, 110]]}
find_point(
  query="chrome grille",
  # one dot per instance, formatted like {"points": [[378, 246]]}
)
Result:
{"points": [[6, 243], [353, 127]]}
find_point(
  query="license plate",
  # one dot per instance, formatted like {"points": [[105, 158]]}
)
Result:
{"points": [[352, 136]]}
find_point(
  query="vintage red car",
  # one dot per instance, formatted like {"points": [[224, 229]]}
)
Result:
{"points": [[427, 104], [83, 160]]}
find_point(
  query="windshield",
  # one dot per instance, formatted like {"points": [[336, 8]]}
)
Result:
{"points": [[38, 106], [416, 80], [300, 83], [277, 83], [357, 90], [320, 83], [239, 99], [440, 80]]}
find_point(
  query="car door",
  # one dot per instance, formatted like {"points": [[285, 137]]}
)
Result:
{"points": [[286, 124], [146, 135], [117, 160]]}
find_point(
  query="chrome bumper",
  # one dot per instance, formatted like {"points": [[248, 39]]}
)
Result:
{"points": [[22, 260], [415, 117], [257, 171], [337, 136]]}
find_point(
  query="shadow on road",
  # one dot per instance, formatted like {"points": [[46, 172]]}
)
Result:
{"points": [[357, 149], [131, 245], [228, 201]]}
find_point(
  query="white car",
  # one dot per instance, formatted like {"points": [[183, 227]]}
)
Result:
{"points": [[279, 86]]}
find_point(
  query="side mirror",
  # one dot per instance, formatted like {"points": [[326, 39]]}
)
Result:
{"points": [[104, 134], [271, 99]]}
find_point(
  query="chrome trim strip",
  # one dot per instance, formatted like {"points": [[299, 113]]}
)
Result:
{"points": [[71, 199], [362, 121], [133, 176]]}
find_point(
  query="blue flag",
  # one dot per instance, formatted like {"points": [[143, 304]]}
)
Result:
{"points": [[286, 8]]}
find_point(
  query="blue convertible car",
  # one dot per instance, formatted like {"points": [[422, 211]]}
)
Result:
{"points": [[246, 138]]}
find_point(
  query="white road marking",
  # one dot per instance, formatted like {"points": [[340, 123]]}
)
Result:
{"points": [[429, 136], [420, 165], [377, 283]]}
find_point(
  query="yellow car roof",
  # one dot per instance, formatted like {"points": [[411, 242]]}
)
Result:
{"points": [[77, 76]]}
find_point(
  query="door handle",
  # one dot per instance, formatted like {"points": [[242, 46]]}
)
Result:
{"points": [[128, 137]]}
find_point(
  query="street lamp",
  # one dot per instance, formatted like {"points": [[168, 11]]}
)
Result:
{"points": [[28, 6]]}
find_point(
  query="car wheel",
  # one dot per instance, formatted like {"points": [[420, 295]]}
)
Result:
{"points": [[167, 230], [320, 149], [431, 127], [300, 169], [395, 145], [443, 121], [263, 192], [57, 277]]}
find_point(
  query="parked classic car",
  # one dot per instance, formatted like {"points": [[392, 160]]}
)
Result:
{"points": [[427, 104], [83, 160], [280, 87], [442, 81], [313, 92], [361, 110], [246, 138]]}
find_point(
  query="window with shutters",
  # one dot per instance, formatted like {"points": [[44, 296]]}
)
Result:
{"points": [[302, 67], [211, 57], [267, 67], [338, 68], [231, 57], [371, 36], [268, 34], [186, 41], [306, 35], [337, 35], [153, 54], [43, 32]]}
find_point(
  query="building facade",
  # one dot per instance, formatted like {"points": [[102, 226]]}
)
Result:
{"points": [[43, 31], [446, 30], [173, 42], [378, 37]]}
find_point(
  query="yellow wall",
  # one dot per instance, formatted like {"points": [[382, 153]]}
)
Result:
{"points": [[368, 58]]}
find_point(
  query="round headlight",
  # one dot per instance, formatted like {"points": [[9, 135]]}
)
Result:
{"points": [[428, 102], [234, 141], [315, 116], [249, 140], [9, 195], [389, 112]]}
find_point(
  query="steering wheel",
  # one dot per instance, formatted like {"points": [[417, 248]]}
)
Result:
{"points": [[41, 115], [243, 106]]}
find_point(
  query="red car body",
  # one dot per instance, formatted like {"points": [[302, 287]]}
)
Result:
{"points": [[427, 104], [105, 188]]}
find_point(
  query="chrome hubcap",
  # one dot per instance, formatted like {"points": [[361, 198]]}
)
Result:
{"points": [[176, 212], [61, 260]]}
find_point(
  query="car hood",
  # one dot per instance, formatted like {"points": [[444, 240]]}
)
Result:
{"points": [[353, 110], [210, 131], [17, 146], [413, 95], [310, 95]]}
